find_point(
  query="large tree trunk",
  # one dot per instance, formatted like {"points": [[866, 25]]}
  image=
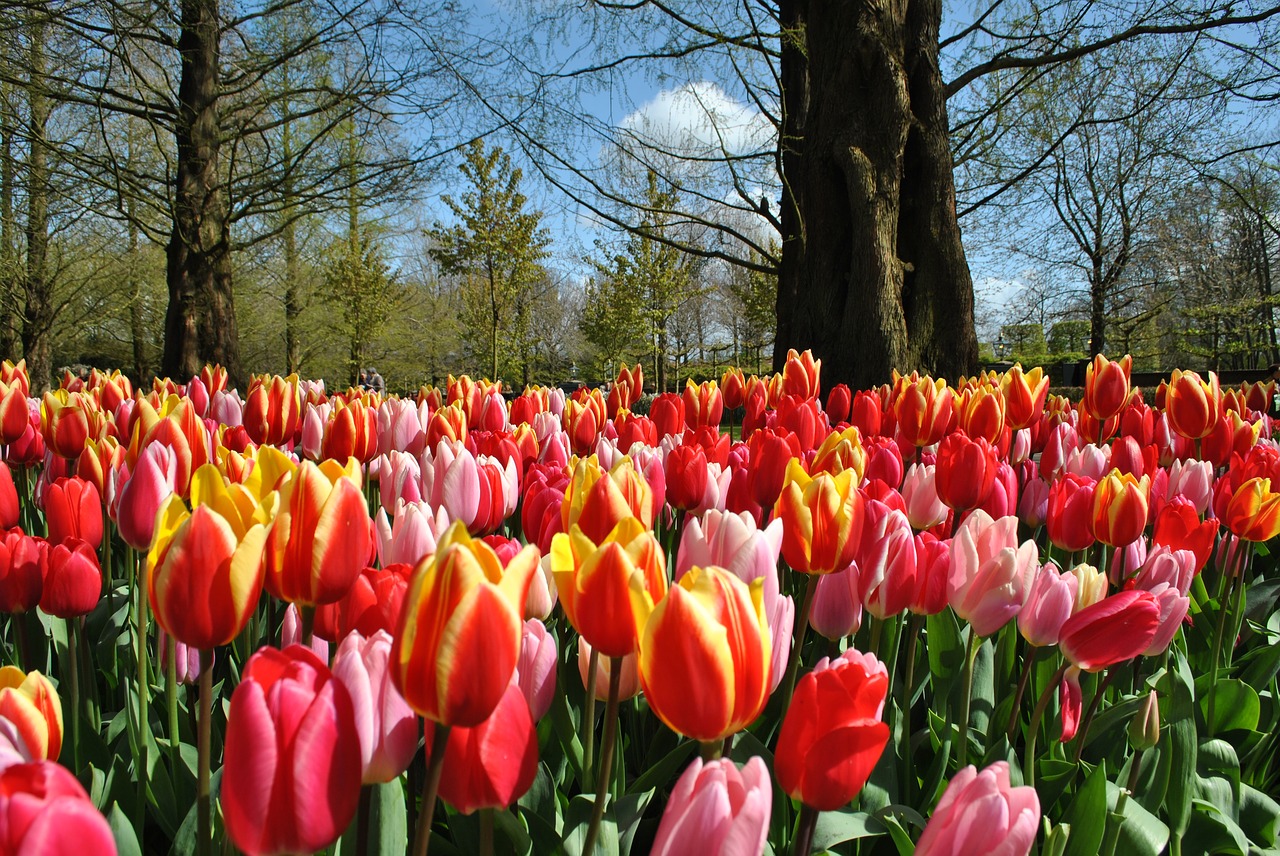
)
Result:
{"points": [[37, 320], [200, 325], [873, 275]]}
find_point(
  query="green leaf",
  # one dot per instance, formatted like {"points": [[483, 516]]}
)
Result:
{"points": [[1142, 833], [835, 827], [122, 831], [661, 773], [567, 733], [541, 798], [944, 645], [1087, 815], [1182, 746], [576, 821], [388, 820], [1235, 707], [1259, 816]]}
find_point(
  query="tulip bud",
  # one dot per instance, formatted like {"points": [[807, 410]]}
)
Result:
{"points": [[1144, 728], [388, 728], [717, 808]]}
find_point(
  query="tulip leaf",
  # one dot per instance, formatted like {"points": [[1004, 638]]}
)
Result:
{"points": [[1142, 833], [1214, 830], [983, 696], [1261, 599], [1235, 706], [546, 839], [388, 820], [541, 796], [945, 646], [663, 772], [576, 821], [1109, 724], [1261, 665], [1182, 746], [122, 831], [628, 812], [835, 827], [1259, 816], [1087, 815]]}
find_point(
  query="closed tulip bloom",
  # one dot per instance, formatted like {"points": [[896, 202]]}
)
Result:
{"points": [[1174, 606], [933, 568], [705, 653], [272, 409], [492, 764], [833, 734], [205, 566], [1106, 386], [884, 461], [1002, 499], [966, 470], [801, 374], [822, 520], [291, 634], [321, 536], [73, 584], [1253, 513], [152, 481], [715, 808], [866, 414], [351, 431], [771, 454], [1120, 508], [1050, 602], [1166, 565], [1070, 512], [1115, 629], [13, 413], [28, 449], [924, 509], [686, 470], [372, 604], [840, 451], [186, 660], [291, 776], [980, 412], [30, 702], [540, 517], [387, 726], [9, 511], [703, 404], [459, 636], [597, 499], [836, 611], [1033, 505], [982, 814], [629, 677], [733, 385], [536, 668], [990, 573], [887, 571], [839, 403], [45, 810], [922, 411], [1192, 404], [1178, 527], [1024, 395], [411, 536], [24, 563], [73, 509], [65, 422], [735, 543], [595, 581], [1088, 460]]}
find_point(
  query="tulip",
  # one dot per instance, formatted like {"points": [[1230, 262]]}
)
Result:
{"points": [[152, 481], [839, 403], [321, 537], [866, 413], [922, 410], [1024, 395], [1253, 513], [667, 413], [1193, 405], [980, 412], [990, 574], [1070, 512], [703, 404], [459, 636], [372, 604], [73, 584], [73, 509], [186, 660], [387, 727], [291, 633], [14, 417], [933, 567], [887, 572], [705, 653], [840, 451], [29, 701], [28, 449], [1106, 386], [822, 520], [24, 563], [686, 470], [1033, 505], [982, 813], [924, 509], [717, 808], [1120, 508], [771, 455], [628, 679], [833, 735], [1115, 629], [9, 511], [205, 567], [596, 582], [966, 470], [836, 610], [536, 669], [411, 536], [291, 776], [272, 409], [884, 461], [800, 374], [733, 385], [597, 499], [1070, 700], [65, 422], [44, 809], [1174, 605], [1050, 602], [492, 763], [1178, 527]]}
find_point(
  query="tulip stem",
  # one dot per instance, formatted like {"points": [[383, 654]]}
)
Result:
{"points": [[606, 755], [171, 699], [203, 814], [1027, 666], [908, 777], [307, 623], [793, 667], [711, 750], [362, 820], [73, 681], [144, 716], [1218, 637], [439, 742], [970, 654], [802, 845], [1093, 709], [589, 722], [1115, 819], [486, 832], [1029, 759]]}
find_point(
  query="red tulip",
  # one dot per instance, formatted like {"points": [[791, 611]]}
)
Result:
{"points": [[24, 562], [922, 410], [771, 453], [686, 469], [491, 764], [839, 403], [373, 603], [9, 511], [800, 374], [73, 509], [1120, 505], [291, 776], [703, 404], [734, 387], [73, 584], [1180, 528], [13, 413], [45, 810], [833, 734], [153, 480], [65, 422], [865, 413], [29, 701], [667, 413], [1115, 629], [1070, 512], [1193, 406], [965, 471], [273, 409]]}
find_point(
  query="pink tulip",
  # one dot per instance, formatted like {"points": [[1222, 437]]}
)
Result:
{"points": [[292, 768], [887, 573], [387, 726], [1192, 480], [536, 669], [1033, 506], [1050, 602], [836, 611], [13, 749], [399, 479], [152, 481], [186, 659], [1020, 448], [1002, 499], [1059, 445], [44, 809], [982, 813], [314, 417], [291, 634], [1071, 702], [493, 414], [1173, 610], [227, 408], [933, 568], [990, 573], [717, 808], [477, 490], [1167, 565], [628, 683], [1090, 461], [924, 509], [411, 536], [400, 427]]}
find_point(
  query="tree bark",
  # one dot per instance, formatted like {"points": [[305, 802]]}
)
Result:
{"points": [[10, 283], [200, 325], [873, 276], [38, 317]]}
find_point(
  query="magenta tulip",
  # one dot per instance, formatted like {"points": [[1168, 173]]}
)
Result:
{"points": [[152, 481]]}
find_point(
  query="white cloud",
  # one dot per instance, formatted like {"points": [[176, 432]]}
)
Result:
{"points": [[700, 117]]}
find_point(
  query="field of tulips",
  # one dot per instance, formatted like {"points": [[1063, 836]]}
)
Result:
{"points": [[930, 618]]}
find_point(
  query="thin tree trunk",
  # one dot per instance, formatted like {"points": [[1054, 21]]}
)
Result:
{"points": [[137, 325], [38, 317], [10, 283], [289, 239]]}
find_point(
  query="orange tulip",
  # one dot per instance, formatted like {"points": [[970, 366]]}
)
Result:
{"points": [[981, 412], [205, 567], [922, 410], [272, 409], [460, 631], [733, 386], [16, 375], [703, 404], [582, 425], [1120, 504], [704, 656], [352, 431], [66, 422], [447, 423], [822, 518], [801, 374], [322, 537], [1024, 395], [31, 703], [596, 500], [595, 581], [1106, 386], [1253, 512], [1193, 405], [840, 451]]}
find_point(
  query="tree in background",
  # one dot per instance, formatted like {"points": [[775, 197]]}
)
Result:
{"points": [[495, 250]]}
